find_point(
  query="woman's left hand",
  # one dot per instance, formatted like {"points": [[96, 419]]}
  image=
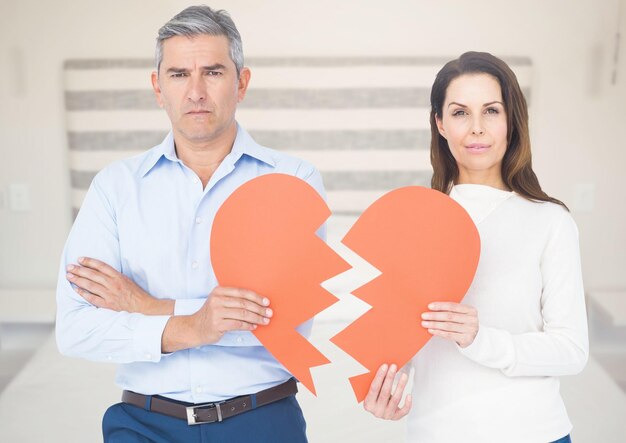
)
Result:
{"points": [[452, 321], [383, 399]]}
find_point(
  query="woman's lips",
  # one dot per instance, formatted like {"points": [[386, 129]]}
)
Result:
{"points": [[477, 148]]}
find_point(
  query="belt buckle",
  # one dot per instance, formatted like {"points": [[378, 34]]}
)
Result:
{"points": [[192, 417]]}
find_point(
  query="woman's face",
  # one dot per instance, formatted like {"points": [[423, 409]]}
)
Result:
{"points": [[473, 121]]}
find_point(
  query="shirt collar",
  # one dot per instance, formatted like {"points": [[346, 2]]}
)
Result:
{"points": [[244, 145], [165, 149]]}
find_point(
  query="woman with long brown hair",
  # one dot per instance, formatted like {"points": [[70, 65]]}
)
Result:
{"points": [[490, 373]]}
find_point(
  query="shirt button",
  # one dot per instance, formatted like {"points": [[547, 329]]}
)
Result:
{"points": [[239, 340], [194, 265], [198, 220], [198, 389], [195, 180]]}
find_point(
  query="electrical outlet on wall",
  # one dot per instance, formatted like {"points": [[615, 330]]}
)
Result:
{"points": [[19, 197]]}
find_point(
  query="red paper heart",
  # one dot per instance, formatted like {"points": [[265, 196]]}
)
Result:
{"points": [[427, 248], [263, 239], [424, 243]]}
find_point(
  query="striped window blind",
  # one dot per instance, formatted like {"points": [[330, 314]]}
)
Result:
{"points": [[362, 121]]}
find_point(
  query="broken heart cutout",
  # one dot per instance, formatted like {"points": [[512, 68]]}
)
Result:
{"points": [[263, 239], [427, 248], [424, 243]]}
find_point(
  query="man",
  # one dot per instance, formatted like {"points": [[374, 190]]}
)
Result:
{"points": [[186, 355]]}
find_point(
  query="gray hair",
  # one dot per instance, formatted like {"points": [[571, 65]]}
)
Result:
{"points": [[197, 20]]}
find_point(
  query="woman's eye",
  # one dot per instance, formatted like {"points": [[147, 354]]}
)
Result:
{"points": [[492, 111], [459, 112]]}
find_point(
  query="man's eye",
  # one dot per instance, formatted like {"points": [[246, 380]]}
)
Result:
{"points": [[213, 73], [178, 75]]}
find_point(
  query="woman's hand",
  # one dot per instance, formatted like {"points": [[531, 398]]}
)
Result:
{"points": [[380, 399], [452, 321]]}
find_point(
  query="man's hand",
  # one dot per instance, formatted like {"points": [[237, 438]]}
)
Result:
{"points": [[380, 399], [226, 309], [105, 287], [452, 321]]}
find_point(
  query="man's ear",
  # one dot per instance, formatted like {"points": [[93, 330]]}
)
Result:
{"points": [[156, 87], [242, 84]]}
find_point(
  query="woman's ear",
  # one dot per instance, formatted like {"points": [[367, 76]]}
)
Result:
{"points": [[442, 131]]}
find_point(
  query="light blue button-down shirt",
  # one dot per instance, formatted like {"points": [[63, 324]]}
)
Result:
{"points": [[149, 218]]}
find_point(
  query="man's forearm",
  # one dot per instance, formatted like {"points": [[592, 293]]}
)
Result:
{"points": [[155, 306], [180, 333]]}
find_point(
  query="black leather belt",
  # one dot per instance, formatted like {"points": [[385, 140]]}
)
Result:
{"points": [[196, 414]]}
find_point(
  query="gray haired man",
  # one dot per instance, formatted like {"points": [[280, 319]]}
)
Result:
{"points": [[136, 286]]}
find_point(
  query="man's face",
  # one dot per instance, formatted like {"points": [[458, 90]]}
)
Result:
{"points": [[197, 85]]}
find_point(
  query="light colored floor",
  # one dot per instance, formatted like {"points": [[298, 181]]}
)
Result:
{"points": [[11, 363], [73, 394], [70, 396], [615, 365]]}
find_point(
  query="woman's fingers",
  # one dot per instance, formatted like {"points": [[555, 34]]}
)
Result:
{"points": [[452, 307], [444, 326], [404, 410], [382, 399], [376, 385], [452, 321], [396, 396], [385, 391]]}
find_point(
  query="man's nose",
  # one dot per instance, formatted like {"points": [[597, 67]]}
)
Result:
{"points": [[197, 91]]}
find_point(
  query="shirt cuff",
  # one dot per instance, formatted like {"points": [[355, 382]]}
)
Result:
{"points": [[473, 351], [491, 347], [147, 337], [188, 306]]}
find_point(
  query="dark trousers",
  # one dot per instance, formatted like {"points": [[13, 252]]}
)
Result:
{"points": [[278, 422], [565, 439]]}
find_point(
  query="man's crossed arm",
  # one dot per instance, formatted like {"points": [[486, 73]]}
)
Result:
{"points": [[226, 309]]}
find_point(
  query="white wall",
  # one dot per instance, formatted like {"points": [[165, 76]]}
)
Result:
{"points": [[576, 113]]}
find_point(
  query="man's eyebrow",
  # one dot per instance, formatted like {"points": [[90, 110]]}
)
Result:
{"points": [[176, 70], [214, 67]]}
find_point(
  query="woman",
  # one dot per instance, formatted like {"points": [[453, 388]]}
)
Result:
{"points": [[489, 374]]}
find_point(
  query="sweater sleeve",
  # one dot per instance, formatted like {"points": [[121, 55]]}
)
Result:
{"points": [[562, 347]]}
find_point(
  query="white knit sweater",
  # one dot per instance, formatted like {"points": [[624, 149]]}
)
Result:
{"points": [[528, 290]]}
